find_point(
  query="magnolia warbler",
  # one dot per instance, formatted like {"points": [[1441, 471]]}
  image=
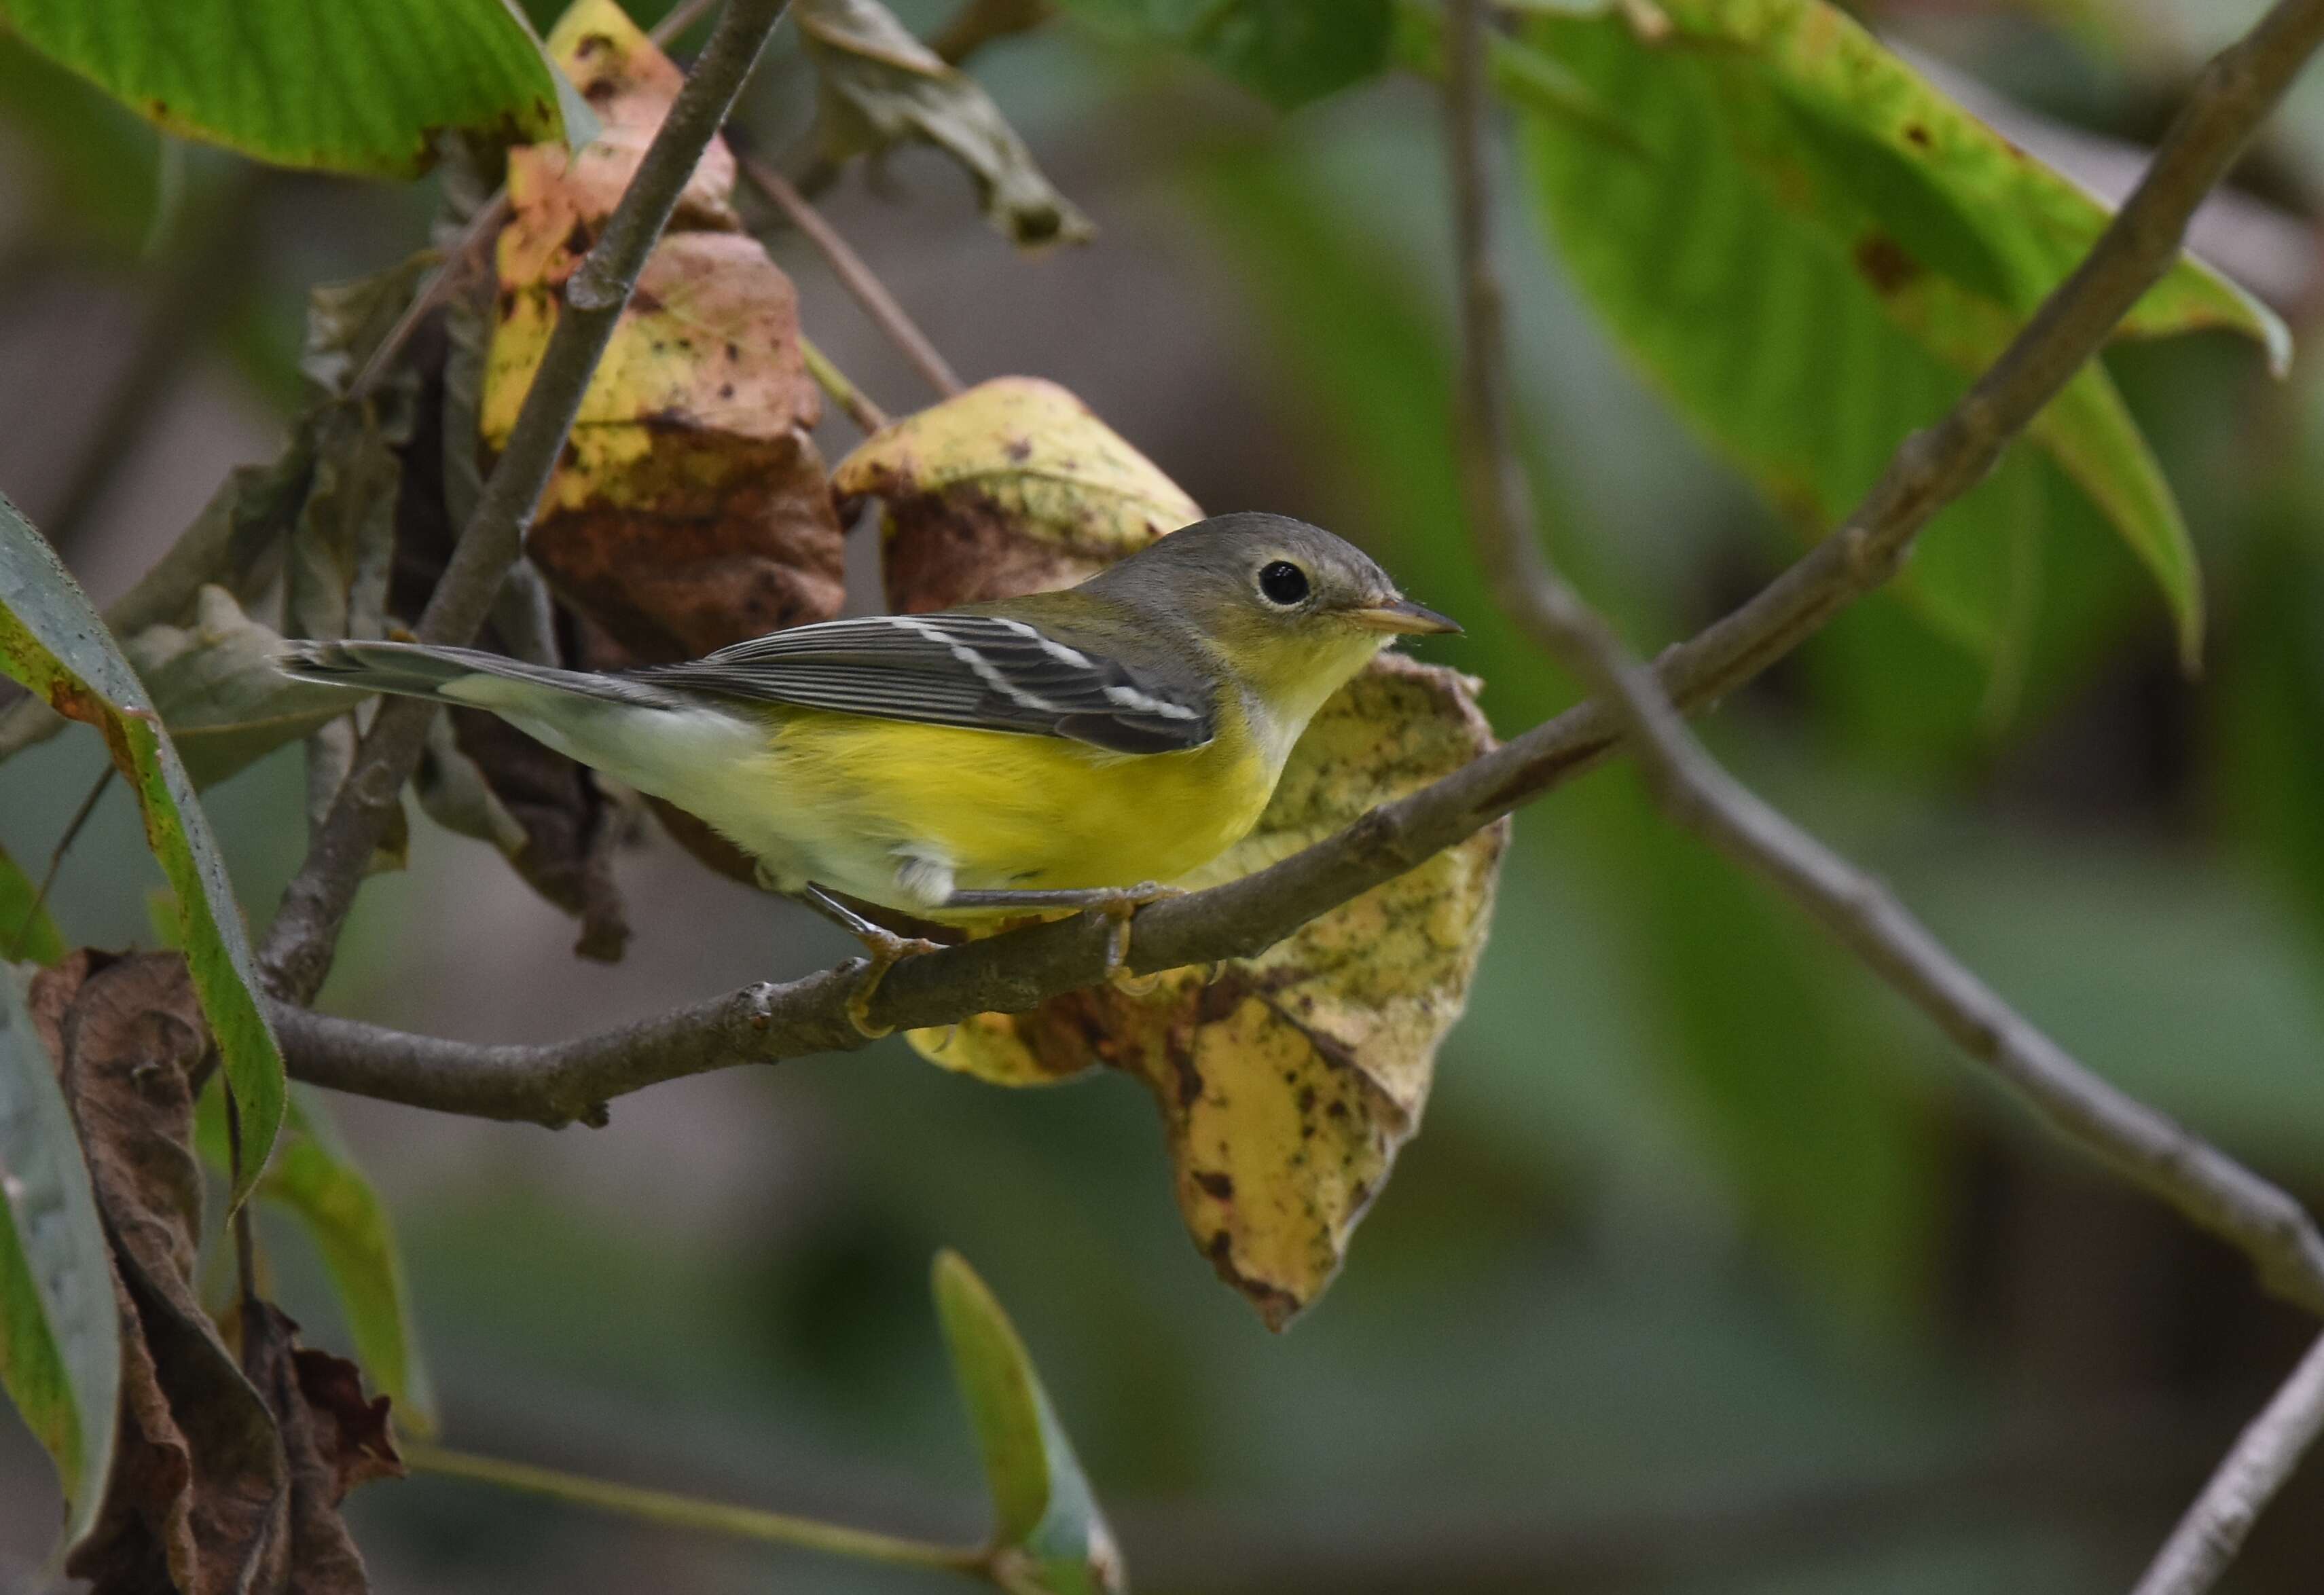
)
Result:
{"points": [[1040, 753]]}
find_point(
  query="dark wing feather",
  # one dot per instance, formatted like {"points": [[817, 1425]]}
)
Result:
{"points": [[974, 670]]}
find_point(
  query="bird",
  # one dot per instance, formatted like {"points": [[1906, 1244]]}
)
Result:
{"points": [[1060, 750]]}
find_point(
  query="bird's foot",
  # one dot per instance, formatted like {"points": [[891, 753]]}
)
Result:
{"points": [[883, 949], [1122, 909]]}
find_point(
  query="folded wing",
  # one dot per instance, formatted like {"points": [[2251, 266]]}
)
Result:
{"points": [[974, 670]]}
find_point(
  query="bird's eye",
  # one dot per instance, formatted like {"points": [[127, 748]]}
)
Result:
{"points": [[1283, 582]]}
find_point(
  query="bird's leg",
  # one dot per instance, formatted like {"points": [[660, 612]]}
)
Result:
{"points": [[883, 949], [1119, 904]]}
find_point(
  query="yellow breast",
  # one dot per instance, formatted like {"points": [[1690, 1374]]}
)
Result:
{"points": [[843, 799]]}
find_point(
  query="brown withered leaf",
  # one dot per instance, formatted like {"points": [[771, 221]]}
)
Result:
{"points": [[217, 1487], [1011, 487], [879, 86], [1288, 1082], [333, 1440], [198, 1500], [691, 508], [353, 1436]]}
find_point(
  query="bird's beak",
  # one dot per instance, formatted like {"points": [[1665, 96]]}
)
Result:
{"points": [[1403, 617]]}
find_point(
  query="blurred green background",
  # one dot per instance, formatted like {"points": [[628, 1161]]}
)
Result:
{"points": [[1712, 1269]]}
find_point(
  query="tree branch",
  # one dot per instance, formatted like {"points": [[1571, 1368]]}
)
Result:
{"points": [[1695, 791], [2209, 1536], [300, 944], [1011, 974]]}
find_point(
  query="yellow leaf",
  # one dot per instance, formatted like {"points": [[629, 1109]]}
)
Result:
{"points": [[1013, 487], [1288, 1081], [691, 508]]}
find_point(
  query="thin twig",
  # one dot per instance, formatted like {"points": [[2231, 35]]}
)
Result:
{"points": [[856, 276], [677, 1511], [298, 947], [2209, 1536], [843, 392], [57, 859]]}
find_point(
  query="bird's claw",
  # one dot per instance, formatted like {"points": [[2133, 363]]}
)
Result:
{"points": [[1122, 908], [882, 950]]}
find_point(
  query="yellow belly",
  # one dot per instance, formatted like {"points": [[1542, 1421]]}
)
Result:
{"points": [[846, 800]]}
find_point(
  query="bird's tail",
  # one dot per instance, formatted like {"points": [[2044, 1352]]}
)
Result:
{"points": [[678, 745], [455, 675]]}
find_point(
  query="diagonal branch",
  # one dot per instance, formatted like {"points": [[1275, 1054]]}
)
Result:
{"points": [[300, 944], [2209, 1536], [1696, 792], [558, 1082]]}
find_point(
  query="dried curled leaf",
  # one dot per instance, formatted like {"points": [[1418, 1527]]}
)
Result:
{"points": [[190, 1504], [1288, 1082], [881, 87], [216, 1485], [1011, 487], [691, 509]]}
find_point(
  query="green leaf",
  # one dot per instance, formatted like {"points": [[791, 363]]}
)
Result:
{"points": [[60, 1337], [1045, 1513], [877, 87], [27, 934], [318, 1182], [334, 87], [53, 641], [1813, 251], [1286, 52]]}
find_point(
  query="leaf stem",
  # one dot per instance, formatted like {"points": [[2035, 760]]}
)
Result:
{"points": [[856, 276], [843, 392], [679, 1511]]}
